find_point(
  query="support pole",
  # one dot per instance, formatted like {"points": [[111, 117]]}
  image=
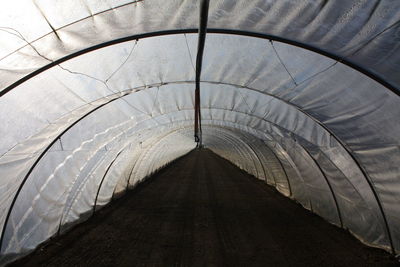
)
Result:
{"points": [[199, 60]]}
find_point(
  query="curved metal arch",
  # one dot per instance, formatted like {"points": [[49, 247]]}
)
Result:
{"points": [[344, 61], [259, 159], [249, 146], [162, 137], [284, 171], [148, 150], [169, 133], [247, 126], [152, 168], [230, 137], [363, 171], [344, 145], [67, 210], [326, 180], [282, 167], [271, 150], [130, 92], [338, 169], [278, 127], [35, 164], [320, 51], [230, 130], [225, 139], [277, 158], [214, 108], [44, 151], [102, 159], [289, 161], [116, 157], [280, 164], [123, 149], [219, 128], [130, 174], [176, 131], [157, 151], [102, 179]]}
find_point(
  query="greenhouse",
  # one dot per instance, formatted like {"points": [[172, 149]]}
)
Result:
{"points": [[96, 96]]}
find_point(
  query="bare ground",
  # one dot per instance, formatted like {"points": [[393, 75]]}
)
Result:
{"points": [[204, 211]]}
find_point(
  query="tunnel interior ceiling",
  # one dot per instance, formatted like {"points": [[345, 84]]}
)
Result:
{"points": [[96, 100], [84, 144], [365, 32]]}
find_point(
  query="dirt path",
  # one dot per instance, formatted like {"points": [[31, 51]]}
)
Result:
{"points": [[203, 211]]}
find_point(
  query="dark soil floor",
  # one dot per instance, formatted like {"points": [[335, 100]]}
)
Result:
{"points": [[203, 211]]}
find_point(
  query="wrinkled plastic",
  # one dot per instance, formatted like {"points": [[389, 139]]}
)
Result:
{"points": [[319, 131]]}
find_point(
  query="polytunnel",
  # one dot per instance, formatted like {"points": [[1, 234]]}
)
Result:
{"points": [[98, 95]]}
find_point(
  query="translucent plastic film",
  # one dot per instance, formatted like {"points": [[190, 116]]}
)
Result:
{"points": [[98, 95]]}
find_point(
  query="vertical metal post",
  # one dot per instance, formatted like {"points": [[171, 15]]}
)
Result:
{"points": [[199, 60]]}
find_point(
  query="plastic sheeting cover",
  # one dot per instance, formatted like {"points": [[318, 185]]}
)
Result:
{"points": [[84, 130]]}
